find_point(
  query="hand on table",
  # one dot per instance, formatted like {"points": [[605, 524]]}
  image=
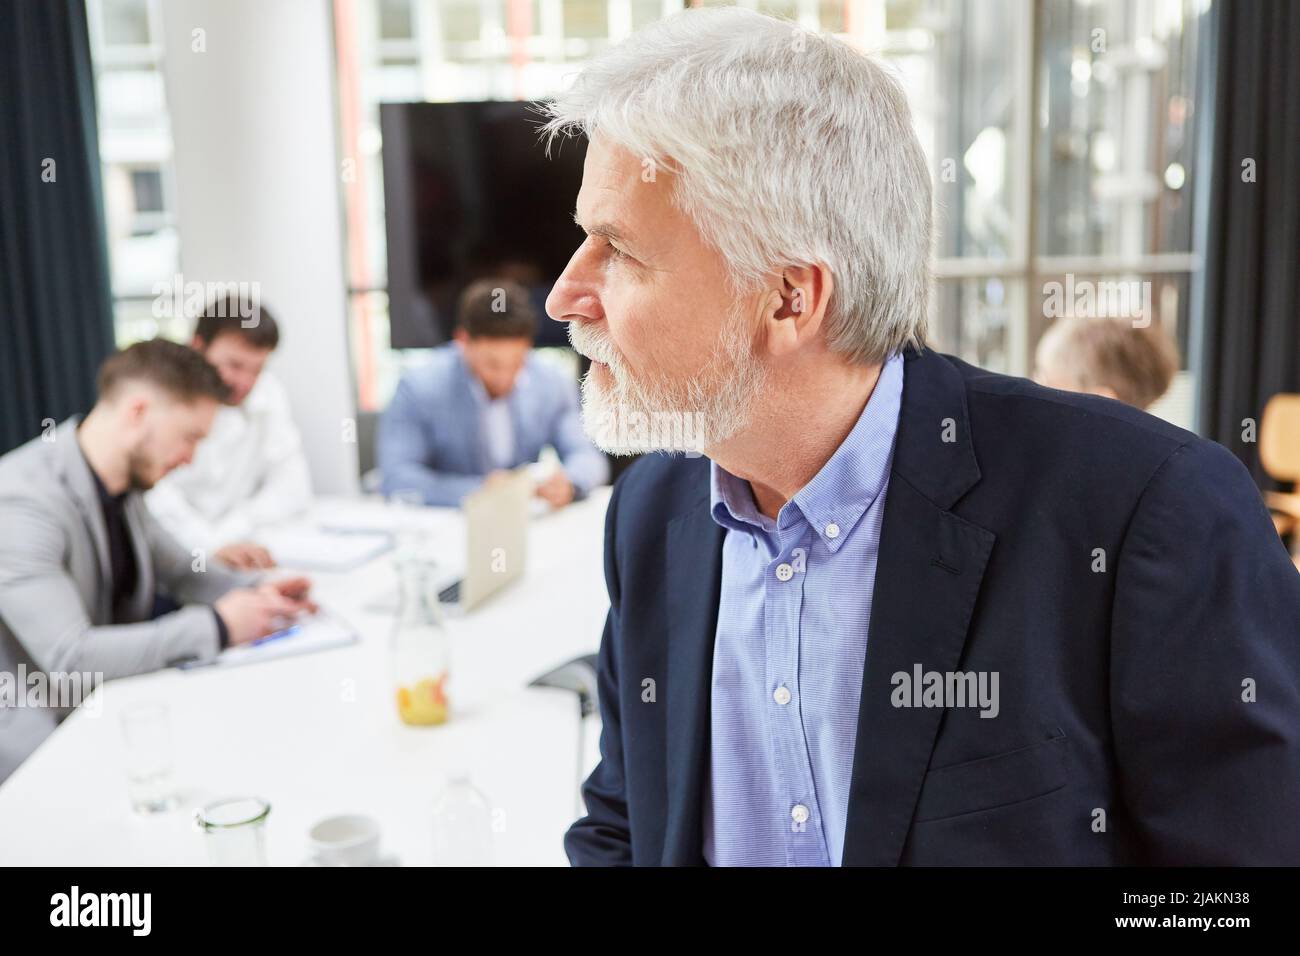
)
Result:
{"points": [[246, 556], [556, 490], [253, 613], [296, 589]]}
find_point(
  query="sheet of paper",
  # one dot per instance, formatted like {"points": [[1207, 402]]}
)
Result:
{"points": [[310, 549], [317, 633]]}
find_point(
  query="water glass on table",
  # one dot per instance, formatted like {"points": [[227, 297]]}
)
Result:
{"points": [[147, 744], [235, 831]]}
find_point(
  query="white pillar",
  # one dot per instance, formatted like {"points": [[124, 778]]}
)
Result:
{"points": [[250, 90]]}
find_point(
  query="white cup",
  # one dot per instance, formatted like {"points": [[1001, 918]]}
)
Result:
{"points": [[348, 840]]}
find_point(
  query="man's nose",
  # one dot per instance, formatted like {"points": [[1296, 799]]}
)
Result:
{"points": [[573, 296], [559, 297]]}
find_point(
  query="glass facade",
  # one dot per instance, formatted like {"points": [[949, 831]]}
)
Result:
{"points": [[1061, 136], [135, 148]]}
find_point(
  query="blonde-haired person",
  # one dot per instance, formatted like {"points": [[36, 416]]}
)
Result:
{"points": [[1108, 357]]}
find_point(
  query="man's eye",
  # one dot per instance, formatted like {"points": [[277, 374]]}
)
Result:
{"points": [[617, 252]]}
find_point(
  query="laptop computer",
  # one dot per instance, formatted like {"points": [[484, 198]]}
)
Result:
{"points": [[496, 535]]}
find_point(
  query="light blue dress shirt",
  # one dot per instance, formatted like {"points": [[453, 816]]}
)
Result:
{"points": [[441, 435], [790, 647]]}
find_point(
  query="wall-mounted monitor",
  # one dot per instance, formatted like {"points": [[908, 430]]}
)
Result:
{"points": [[469, 192]]}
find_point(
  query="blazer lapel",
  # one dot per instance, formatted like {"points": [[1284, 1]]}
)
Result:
{"points": [[523, 409], [142, 601], [930, 566], [74, 472], [694, 584], [471, 415]]}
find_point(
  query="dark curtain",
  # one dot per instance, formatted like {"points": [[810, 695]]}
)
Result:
{"points": [[1251, 327], [56, 318]]}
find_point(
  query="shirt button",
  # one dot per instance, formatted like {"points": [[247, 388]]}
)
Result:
{"points": [[784, 572], [799, 813], [781, 695], [832, 530]]}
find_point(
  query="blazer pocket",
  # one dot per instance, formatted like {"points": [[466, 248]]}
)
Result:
{"points": [[987, 783]]}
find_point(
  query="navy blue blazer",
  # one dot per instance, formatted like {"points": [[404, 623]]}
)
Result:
{"points": [[1149, 701]]}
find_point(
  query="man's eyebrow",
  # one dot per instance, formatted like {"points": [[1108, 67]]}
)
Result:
{"points": [[607, 229]]}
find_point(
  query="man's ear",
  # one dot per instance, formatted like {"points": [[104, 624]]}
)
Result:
{"points": [[460, 335], [794, 307], [197, 344], [135, 406]]}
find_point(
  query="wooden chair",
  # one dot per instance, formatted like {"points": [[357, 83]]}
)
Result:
{"points": [[1279, 454]]}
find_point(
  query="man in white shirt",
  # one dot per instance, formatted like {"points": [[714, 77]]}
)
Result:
{"points": [[250, 471]]}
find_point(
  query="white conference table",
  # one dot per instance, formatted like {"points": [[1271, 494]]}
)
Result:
{"points": [[318, 734]]}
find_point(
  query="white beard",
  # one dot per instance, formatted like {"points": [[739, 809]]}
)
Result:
{"points": [[633, 417]]}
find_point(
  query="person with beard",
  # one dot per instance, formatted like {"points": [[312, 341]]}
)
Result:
{"points": [[82, 561], [870, 516]]}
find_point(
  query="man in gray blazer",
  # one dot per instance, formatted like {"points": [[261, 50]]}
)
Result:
{"points": [[82, 561]]}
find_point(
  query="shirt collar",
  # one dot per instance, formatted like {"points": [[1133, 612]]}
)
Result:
{"points": [[846, 486], [476, 387], [732, 504], [255, 401], [105, 499]]}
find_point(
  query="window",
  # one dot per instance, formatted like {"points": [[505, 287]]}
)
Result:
{"points": [[135, 148], [1061, 136], [147, 197]]}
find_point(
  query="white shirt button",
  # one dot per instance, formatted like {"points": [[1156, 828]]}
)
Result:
{"points": [[784, 572], [832, 530], [799, 813], [781, 695]]}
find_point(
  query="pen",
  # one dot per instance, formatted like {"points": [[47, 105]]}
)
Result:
{"points": [[287, 632]]}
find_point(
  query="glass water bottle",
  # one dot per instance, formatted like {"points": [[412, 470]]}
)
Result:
{"points": [[462, 825], [421, 655]]}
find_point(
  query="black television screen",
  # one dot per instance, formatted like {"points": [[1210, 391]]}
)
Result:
{"points": [[470, 193]]}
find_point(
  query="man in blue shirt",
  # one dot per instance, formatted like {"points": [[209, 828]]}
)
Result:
{"points": [[904, 610], [483, 404], [825, 541]]}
